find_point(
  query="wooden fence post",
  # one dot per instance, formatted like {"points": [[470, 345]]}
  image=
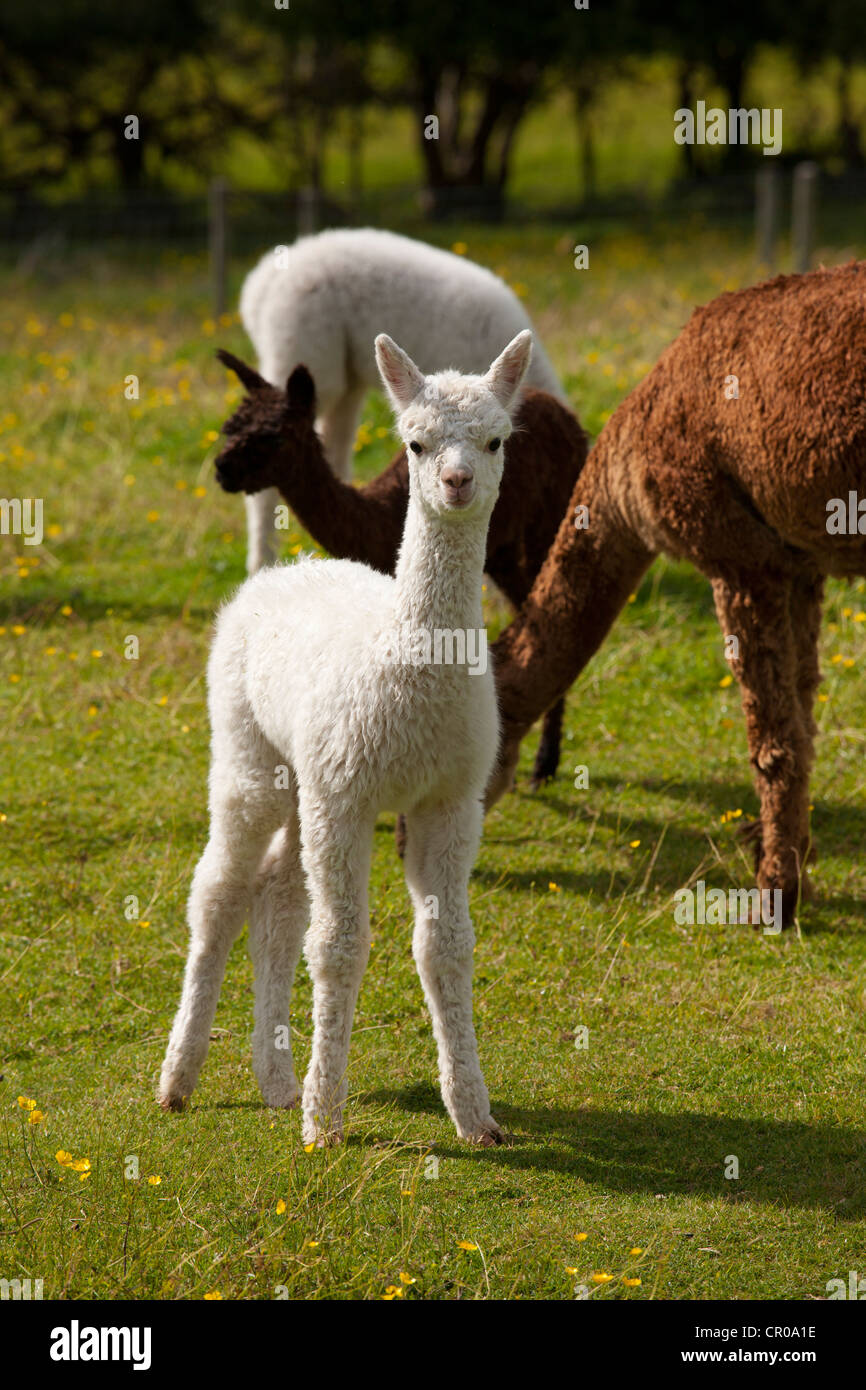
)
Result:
{"points": [[803, 213], [766, 217], [308, 200], [218, 243]]}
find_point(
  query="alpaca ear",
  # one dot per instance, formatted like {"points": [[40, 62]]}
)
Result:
{"points": [[400, 376], [505, 376], [248, 375], [301, 391]]}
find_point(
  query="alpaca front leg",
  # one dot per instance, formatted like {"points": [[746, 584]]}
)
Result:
{"points": [[547, 756], [337, 864], [278, 919], [218, 900], [441, 845], [261, 537]]}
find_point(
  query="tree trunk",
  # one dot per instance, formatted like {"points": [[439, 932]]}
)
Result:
{"points": [[730, 71], [685, 101], [355, 116], [849, 130], [431, 152], [129, 156], [492, 112], [458, 164], [583, 99], [504, 162]]}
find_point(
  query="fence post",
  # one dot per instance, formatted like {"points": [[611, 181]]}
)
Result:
{"points": [[218, 243], [803, 213], [766, 216], [308, 200]]}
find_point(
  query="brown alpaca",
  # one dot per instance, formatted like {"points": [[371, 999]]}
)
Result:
{"points": [[272, 443], [743, 486]]}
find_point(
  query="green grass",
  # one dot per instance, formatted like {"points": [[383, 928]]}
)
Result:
{"points": [[704, 1042]]}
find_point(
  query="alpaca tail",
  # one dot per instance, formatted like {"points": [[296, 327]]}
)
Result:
{"points": [[543, 374]]}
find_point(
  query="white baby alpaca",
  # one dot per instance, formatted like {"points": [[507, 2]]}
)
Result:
{"points": [[309, 673], [323, 300]]}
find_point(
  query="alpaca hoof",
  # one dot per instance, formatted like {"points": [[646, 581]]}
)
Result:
{"points": [[280, 1095], [173, 1104], [488, 1134], [322, 1138], [539, 780], [176, 1085], [322, 1125], [791, 898]]}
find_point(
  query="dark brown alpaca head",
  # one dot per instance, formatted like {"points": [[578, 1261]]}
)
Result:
{"points": [[268, 427]]}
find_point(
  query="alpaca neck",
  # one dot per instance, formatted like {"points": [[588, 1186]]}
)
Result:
{"points": [[362, 524], [311, 488], [578, 593], [439, 571]]}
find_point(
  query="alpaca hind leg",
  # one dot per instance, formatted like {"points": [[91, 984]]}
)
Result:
{"points": [[219, 897], [261, 536], [807, 599], [336, 858], [337, 426], [806, 603], [547, 755], [780, 747], [441, 846], [278, 919]]}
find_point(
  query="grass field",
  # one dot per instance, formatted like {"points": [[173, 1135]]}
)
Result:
{"points": [[703, 1042]]}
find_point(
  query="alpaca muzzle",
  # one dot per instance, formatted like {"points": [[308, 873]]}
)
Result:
{"points": [[228, 477], [458, 485]]}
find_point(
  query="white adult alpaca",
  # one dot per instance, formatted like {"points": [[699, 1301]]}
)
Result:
{"points": [[325, 709], [323, 300]]}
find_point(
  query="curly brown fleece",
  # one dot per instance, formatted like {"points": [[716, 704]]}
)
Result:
{"points": [[272, 442], [739, 485]]}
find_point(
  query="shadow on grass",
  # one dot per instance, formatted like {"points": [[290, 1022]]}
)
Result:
{"points": [[839, 831], [160, 593], [783, 1163]]}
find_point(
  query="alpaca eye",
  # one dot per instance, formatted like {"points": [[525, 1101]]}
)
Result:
{"points": [[494, 445], [416, 447]]}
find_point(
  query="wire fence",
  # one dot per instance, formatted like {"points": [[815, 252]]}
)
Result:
{"points": [[230, 222]]}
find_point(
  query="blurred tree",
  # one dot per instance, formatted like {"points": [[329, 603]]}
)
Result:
{"points": [[473, 72], [597, 43], [712, 46], [72, 70], [198, 74], [817, 30]]}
